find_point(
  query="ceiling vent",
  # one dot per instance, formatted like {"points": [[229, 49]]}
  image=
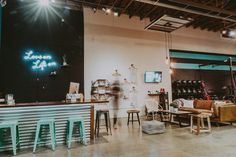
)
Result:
{"points": [[167, 23]]}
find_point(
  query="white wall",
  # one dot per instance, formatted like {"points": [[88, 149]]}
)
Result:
{"points": [[116, 42]]}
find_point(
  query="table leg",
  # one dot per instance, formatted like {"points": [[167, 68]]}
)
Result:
{"points": [[170, 118], [198, 125], [161, 116], [177, 116]]}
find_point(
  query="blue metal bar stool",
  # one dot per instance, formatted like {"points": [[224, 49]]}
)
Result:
{"points": [[70, 125], [43, 123], [13, 126]]}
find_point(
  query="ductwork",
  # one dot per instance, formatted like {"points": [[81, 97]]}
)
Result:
{"points": [[157, 3]]}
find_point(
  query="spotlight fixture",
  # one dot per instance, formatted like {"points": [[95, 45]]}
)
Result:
{"points": [[232, 33], [224, 32], [108, 11], [228, 33], [116, 13], [3, 3], [94, 10], [104, 9]]}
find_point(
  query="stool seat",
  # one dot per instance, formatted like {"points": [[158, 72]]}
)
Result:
{"points": [[5, 123], [75, 118], [13, 126], [70, 125], [46, 121], [132, 111], [50, 122]]}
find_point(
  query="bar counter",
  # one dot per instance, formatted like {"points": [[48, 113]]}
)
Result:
{"points": [[28, 114]]}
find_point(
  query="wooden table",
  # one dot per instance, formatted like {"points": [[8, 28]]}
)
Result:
{"points": [[177, 114]]}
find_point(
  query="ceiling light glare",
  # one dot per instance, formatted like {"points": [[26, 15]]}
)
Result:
{"points": [[108, 11], [232, 33], [44, 3], [3, 3], [224, 31], [116, 13]]}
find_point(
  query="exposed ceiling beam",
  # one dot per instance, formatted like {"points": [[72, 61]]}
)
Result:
{"points": [[206, 7], [127, 6], [149, 12], [185, 10], [230, 25], [98, 4], [114, 3], [137, 10]]}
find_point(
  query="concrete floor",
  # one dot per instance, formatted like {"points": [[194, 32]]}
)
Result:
{"points": [[131, 142]]}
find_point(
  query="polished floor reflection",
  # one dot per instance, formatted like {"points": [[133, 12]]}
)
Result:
{"points": [[131, 142]]}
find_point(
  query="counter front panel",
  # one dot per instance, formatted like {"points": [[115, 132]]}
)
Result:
{"points": [[28, 116]]}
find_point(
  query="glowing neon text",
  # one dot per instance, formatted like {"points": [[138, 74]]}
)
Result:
{"points": [[39, 62]]}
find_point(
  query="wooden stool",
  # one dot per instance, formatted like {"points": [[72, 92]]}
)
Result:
{"points": [[98, 119], [200, 123], [132, 111]]}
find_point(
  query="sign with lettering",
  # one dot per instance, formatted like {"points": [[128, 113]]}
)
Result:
{"points": [[39, 61]]}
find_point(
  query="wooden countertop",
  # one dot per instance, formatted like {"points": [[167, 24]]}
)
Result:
{"points": [[51, 103]]}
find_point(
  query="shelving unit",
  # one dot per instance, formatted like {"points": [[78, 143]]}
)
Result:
{"points": [[189, 89], [100, 90], [163, 99]]}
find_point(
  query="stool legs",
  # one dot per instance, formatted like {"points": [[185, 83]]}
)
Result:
{"points": [[105, 116], [191, 124], [38, 134], [198, 125], [202, 121], [82, 133], [52, 133], [209, 123], [13, 138], [138, 118], [132, 117], [36, 138], [70, 133], [98, 121], [109, 122], [70, 128], [128, 118]]}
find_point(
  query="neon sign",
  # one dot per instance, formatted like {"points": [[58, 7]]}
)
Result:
{"points": [[39, 61]]}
